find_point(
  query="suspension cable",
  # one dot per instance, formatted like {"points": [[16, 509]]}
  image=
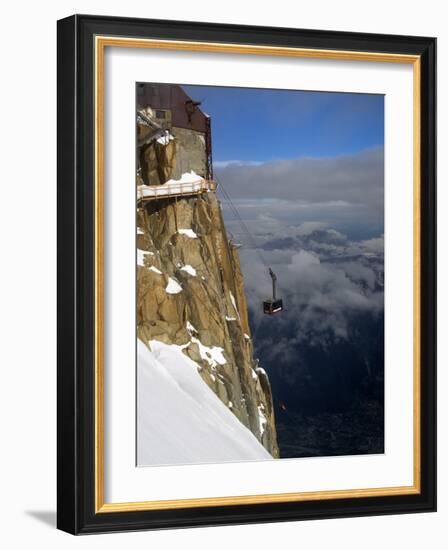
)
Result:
{"points": [[252, 242], [243, 225]]}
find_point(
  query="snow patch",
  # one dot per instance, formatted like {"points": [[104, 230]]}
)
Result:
{"points": [[173, 287], [246, 336], [230, 318], [141, 257], [189, 269], [213, 355], [154, 268], [191, 328], [188, 233], [186, 177], [262, 419], [177, 412], [165, 139], [140, 231], [232, 299]]}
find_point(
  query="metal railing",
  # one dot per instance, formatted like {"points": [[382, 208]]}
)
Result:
{"points": [[152, 192]]}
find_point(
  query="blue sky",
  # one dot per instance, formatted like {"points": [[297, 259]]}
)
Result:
{"points": [[266, 125]]}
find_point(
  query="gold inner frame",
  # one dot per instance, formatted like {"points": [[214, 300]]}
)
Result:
{"points": [[101, 42]]}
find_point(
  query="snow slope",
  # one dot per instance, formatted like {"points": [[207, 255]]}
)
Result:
{"points": [[180, 420]]}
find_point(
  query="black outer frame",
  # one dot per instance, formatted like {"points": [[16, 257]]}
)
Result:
{"points": [[75, 403]]}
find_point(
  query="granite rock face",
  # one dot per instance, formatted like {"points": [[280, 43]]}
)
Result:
{"points": [[190, 293]]}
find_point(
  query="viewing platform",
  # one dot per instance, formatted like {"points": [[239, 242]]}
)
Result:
{"points": [[189, 184]]}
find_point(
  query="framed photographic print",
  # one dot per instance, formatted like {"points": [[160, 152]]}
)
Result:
{"points": [[246, 271]]}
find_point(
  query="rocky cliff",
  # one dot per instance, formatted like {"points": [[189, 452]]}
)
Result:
{"points": [[190, 293]]}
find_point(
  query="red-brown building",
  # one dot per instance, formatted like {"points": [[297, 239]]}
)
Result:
{"points": [[169, 108]]}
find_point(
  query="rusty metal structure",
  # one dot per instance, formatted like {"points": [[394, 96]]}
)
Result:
{"points": [[185, 113], [172, 107]]}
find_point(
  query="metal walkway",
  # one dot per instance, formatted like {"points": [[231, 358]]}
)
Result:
{"points": [[175, 189]]}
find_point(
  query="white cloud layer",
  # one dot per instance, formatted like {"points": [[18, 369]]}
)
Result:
{"points": [[341, 191]]}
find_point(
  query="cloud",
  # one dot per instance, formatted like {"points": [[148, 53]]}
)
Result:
{"points": [[344, 190], [375, 245], [307, 228], [324, 279], [318, 222], [225, 163]]}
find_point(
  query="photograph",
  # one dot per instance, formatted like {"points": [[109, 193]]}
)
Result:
{"points": [[246, 244], [221, 300], [259, 274]]}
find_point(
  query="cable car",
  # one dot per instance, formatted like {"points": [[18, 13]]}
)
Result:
{"points": [[270, 307]]}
